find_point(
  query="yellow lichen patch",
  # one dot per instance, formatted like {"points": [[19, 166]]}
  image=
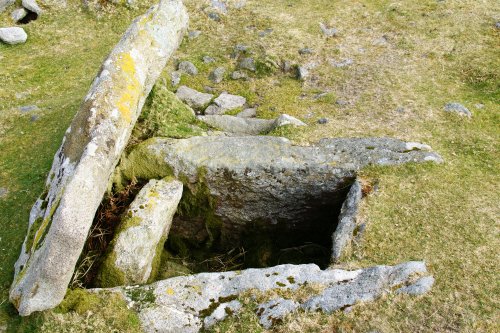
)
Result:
{"points": [[170, 291], [130, 95]]}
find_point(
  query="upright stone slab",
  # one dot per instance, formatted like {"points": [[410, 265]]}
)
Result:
{"points": [[138, 243], [61, 218]]}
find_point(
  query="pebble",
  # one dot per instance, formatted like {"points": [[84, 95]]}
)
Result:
{"points": [[322, 121], [208, 60], [194, 34], [328, 32], [217, 75], [175, 78], [247, 63], [305, 51], [239, 75], [28, 108], [187, 67], [458, 109], [214, 16]]}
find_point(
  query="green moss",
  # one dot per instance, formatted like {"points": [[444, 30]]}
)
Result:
{"points": [[165, 115], [141, 295], [109, 275], [156, 263], [39, 229]]}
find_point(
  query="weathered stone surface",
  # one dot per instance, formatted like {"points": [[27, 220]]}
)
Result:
{"points": [[368, 285], [458, 109], [13, 35], [285, 119], [217, 75], [221, 312], [3, 192], [420, 287], [195, 99], [267, 179], [61, 218], [328, 32], [32, 6], [187, 67], [239, 75], [229, 102], [248, 113], [248, 64], [183, 304], [231, 124], [6, 3], [134, 253], [347, 221], [273, 312], [18, 14]]}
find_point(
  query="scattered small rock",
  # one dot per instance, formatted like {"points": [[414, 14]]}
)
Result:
{"points": [[497, 25], [18, 14], [285, 119], [265, 32], [342, 63], [322, 121], [208, 59], [239, 75], [247, 63], [13, 35], [34, 118], [219, 5], [28, 108], [479, 106], [214, 16], [273, 312], [194, 34], [240, 48], [400, 109], [195, 99], [458, 109], [382, 41], [187, 67], [239, 4], [175, 78], [32, 6], [341, 102], [302, 73], [230, 102], [306, 50], [248, 113], [328, 32], [286, 66], [217, 75], [3, 192]]}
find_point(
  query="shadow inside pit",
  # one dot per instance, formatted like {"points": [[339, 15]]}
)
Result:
{"points": [[31, 16]]}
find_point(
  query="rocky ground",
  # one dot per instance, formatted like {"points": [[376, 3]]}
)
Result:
{"points": [[425, 71]]}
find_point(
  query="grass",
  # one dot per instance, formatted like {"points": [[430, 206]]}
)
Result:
{"points": [[434, 52]]}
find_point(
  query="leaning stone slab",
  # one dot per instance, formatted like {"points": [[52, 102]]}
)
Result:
{"points": [[32, 6], [245, 126], [347, 221], [135, 251], [13, 35], [183, 304], [61, 218], [268, 179]]}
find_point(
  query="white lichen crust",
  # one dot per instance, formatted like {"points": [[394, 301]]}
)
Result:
{"points": [[61, 218]]}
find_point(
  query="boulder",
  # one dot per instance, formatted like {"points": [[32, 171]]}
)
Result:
{"points": [[32, 6], [195, 99], [4, 4], [18, 14], [195, 302], [229, 102], [347, 221], [267, 183], [245, 126], [13, 35], [61, 218], [134, 253]]}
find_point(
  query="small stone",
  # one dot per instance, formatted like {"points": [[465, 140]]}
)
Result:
{"points": [[382, 41], [458, 109], [239, 4], [18, 14], [32, 6], [247, 63], [175, 78], [341, 102], [275, 310], [194, 34], [342, 63], [28, 108], [239, 75], [230, 102], [322, 121], [221, 312], [302, 73], [400, 109], [285, 119], [305, 51], [265, 32], [497, 25], [195, 99], [286, 66], [248, 113], [187, 67], [3, 192], [208, 60], [479, 106], [13, 35], [214, 16], [240, 48], [34, 118], [328, 32], [213, 110], [217, 75], [219, 5]]}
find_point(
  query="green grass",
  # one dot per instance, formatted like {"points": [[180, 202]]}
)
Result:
{"points": [[436, 52]]}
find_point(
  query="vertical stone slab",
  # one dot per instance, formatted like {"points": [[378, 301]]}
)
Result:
{"points": [[61, 218], [136, 249]]}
